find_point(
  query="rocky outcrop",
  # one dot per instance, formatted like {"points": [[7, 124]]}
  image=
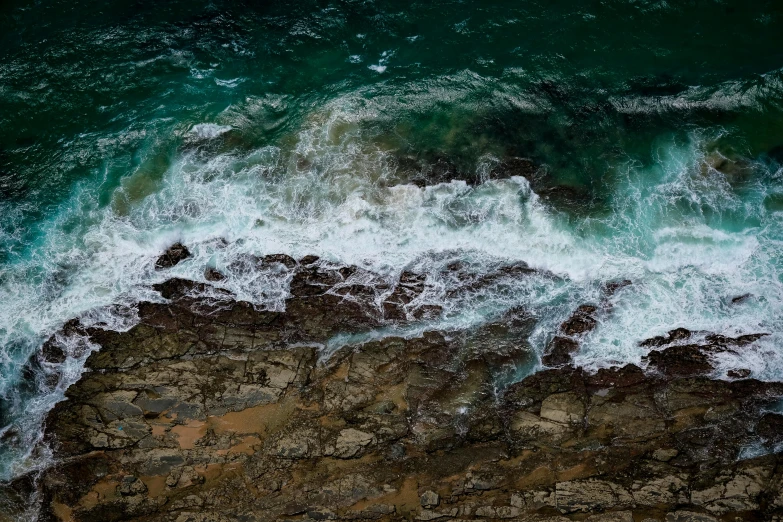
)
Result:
{"points": [[690, 353], [215, 411], [583, 320], [172, 256]]}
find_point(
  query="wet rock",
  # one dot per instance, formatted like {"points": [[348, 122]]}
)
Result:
{"points": [[680, 361], [313, 280], [723, 342], [770, 428], [580, 322], [692, 359], [676, 335], [510, 167], [213, 274], [52, 352], [612, 287], [559, 351], [740, 298], [308, 260], [742, 373], [172, 256], [283, 259], [409, 287]]}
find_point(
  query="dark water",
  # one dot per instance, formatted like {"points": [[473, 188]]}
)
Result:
{"points": [[656, 128]]}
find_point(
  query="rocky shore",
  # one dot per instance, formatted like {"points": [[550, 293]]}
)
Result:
{"points": [[209, 410]]}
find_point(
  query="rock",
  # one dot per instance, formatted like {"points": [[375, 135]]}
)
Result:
{"points": [[689, 516], [564, 408], [225, 412], [581, 322], [351, 442], [308, 260], [131, 485], [322, 514], [52, 352], [172, 256], [770, 428], [559, 351], [282, 259], [428, 514], [613, 287], [665, 454], [588, 495], [429, 499], [740, 298], [680, 361], [742, 373], [616, 516], [510, 167], [212, 274], [676, 335]]}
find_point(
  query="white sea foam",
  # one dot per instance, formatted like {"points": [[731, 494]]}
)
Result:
{"points": [[209, 130]]}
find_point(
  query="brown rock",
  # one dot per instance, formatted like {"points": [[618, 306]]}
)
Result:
{"points": [[209, 412], [172, 256]]}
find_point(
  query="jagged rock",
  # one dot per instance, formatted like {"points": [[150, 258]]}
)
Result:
{"points": [[172, 256], [213, 274], [283, 259], [131, 485], [678, 334], [559, 351], [179, 416], [52, 352], [770, 427], [680, 361], [740, 298], [664, 454], [742, 373], [429, 499], [563, 346], [350, 443], [564, 408]]}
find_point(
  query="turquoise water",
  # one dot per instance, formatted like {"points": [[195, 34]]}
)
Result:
{"points": [[296, 127]]}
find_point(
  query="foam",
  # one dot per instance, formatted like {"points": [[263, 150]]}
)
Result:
{"points": [[211, 130]]}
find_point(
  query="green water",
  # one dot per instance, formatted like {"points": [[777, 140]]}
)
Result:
{"points": [[295, 127]]}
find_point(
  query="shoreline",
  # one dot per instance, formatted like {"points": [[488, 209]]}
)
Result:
{"points": [[211, 410]]}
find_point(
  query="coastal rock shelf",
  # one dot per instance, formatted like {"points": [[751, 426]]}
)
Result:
{"points": [[213, 411]]}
